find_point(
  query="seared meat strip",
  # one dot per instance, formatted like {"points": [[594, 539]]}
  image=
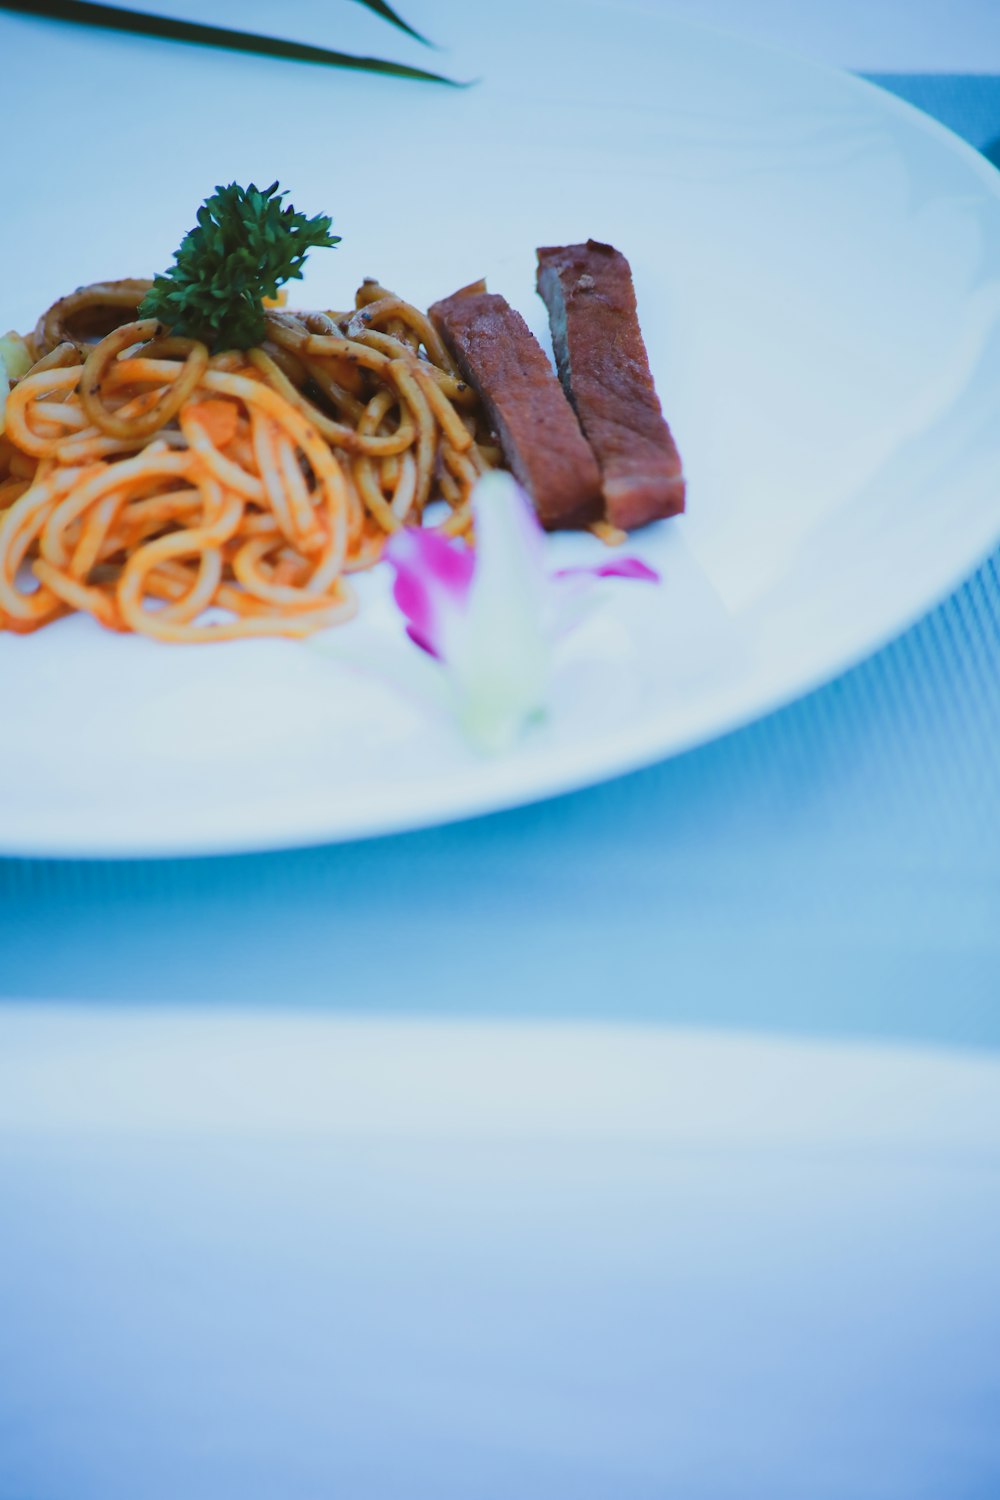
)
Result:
{"points": [[605, 373], [500, 357]]}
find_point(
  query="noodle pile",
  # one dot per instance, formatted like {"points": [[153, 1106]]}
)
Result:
{"points": [[145, 481]]}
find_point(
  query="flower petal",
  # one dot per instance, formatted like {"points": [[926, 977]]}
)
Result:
{"points": [[433, 577], [574, 593], [620, 567], [492, 615], [503, 657]]}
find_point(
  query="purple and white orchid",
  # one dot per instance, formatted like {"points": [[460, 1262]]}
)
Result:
{"points": [[493, 615]]}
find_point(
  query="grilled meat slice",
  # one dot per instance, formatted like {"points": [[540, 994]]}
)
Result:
{"points": [[500, 357], [604, 370]]}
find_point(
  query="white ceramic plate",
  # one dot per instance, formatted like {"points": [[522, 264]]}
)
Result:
{"points": [[815, 265]]}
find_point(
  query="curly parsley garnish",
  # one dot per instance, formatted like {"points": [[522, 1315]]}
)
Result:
{"points": [[243, 247]]}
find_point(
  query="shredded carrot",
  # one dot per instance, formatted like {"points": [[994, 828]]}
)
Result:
{"points": [[218, 418]]}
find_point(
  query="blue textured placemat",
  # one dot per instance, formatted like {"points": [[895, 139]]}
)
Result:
{"points": [[833, 869], [969, 104]]}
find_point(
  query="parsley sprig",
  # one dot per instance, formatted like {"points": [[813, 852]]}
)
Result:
{"points": [[245, 244]]}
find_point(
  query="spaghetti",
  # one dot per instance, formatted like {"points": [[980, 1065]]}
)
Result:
{"points": [[195, 497]]}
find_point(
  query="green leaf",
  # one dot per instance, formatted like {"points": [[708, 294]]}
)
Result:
{"points": [[139, 23], [387, 13], [243, 247]]}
